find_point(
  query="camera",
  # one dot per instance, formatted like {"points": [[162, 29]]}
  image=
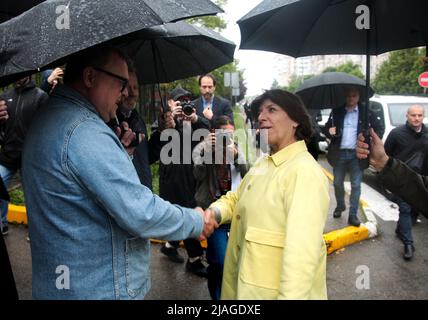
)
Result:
{"points": [[188, 108]]}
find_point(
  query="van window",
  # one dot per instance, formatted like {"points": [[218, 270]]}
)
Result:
{"points": [[398, 111]]}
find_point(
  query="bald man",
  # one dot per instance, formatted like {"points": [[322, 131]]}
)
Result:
{"points": [[409, 143]]}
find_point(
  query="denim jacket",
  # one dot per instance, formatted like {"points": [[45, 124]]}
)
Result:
{"points": [[90, 218]]}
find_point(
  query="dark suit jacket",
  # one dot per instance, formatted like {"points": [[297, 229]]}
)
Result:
{"points": [[220, 107], [337, 118]]}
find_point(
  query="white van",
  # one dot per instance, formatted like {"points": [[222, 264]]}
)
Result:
{"points": [[392, 109]]}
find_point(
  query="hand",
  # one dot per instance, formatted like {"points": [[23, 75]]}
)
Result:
{"points": [[3, 111], [127, 136], [193, 118], [55, 76], [332, 131], [378, 156], [208, 113], [209, 222], [166, 120]]}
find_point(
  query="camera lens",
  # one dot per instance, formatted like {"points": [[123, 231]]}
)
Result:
{"points": [[187, 109]]}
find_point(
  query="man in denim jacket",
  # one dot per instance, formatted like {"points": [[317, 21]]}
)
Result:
{"points": [[90, 218]]}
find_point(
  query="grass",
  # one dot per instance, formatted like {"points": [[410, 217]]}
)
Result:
{"points": [[17, 197], [242, 135]]}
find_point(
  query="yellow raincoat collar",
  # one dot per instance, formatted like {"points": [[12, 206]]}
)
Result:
{"points": [[289, 152]]}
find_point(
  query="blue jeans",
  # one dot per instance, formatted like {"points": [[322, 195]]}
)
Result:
{"points": [[347, 162], [405, 221], [7, 175], [216, 252]]}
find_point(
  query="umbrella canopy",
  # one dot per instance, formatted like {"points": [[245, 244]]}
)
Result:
{"points": [[327, 90], [13, 8], [41, 37], [305, 27], [175, 51]]}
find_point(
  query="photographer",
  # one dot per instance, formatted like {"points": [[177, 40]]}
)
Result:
{"points": [[176, 181]]}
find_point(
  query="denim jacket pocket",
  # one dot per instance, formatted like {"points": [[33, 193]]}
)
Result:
{"points": [[136, 265], [261, 263]]}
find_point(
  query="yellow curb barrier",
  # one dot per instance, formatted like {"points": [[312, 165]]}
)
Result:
{"points": [[17, 214], [338, 239]]}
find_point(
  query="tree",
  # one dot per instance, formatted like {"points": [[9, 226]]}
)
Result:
{"points": [[348, 67], [399, 74], [275, 85], [217, 23], [296, 82]]}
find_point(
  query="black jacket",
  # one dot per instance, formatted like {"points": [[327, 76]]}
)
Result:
{"points": [[22, 103], [176, 181], [220, 107], [403, 143], [407, 184], [337, 118]]}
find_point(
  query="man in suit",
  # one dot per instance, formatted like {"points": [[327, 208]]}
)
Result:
{"points": [[208, 105], [342, 128]]}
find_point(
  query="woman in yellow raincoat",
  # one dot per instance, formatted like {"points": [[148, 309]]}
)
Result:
{"points": [[276, 248]]}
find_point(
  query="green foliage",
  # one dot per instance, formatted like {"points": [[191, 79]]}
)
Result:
{"points": [[399, 74], [191, 84], [17, 197], [217, 23], [275, 85], [155, 177], [348, 67], [296, 82]]}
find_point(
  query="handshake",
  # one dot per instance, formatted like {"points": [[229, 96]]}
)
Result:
{"points": [[211, 222]]}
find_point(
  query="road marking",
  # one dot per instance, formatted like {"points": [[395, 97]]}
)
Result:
{"points": [[381, 206]]}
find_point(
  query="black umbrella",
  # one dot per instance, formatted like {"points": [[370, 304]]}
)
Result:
{"points": [[13, 8], [175, 51], [327, 90], [41, 37], [306, 27]]}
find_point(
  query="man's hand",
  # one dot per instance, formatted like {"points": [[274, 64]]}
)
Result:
{"points": [[209, 222], [56, 74], [3, 111], [378, 156], [193, 118], [209, 143], [126, 137], [166, 121], [208, 113], [332, 131]]}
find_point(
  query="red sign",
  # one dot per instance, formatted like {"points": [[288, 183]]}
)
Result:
{"points": [[423, 79]]}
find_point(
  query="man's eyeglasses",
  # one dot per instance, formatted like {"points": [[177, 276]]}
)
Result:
{"points": [[111, 74]]}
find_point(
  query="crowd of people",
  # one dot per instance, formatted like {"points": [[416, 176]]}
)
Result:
{"points": [[85, 166]]}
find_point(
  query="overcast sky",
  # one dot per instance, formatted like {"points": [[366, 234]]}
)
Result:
{"points": [[258, 65]]}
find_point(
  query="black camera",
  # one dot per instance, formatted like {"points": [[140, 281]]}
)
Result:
{"points": [[188, 107]]}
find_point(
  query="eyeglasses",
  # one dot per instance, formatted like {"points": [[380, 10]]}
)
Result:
{"points": [[111, 74]]}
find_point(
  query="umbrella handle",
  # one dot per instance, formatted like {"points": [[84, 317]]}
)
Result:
{"points": [[364, 163]]}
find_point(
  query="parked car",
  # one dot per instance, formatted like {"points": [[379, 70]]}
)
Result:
{"points": [[392, 109]]}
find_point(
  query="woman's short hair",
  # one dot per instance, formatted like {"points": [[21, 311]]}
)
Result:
{"points": [[293, 105]]}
